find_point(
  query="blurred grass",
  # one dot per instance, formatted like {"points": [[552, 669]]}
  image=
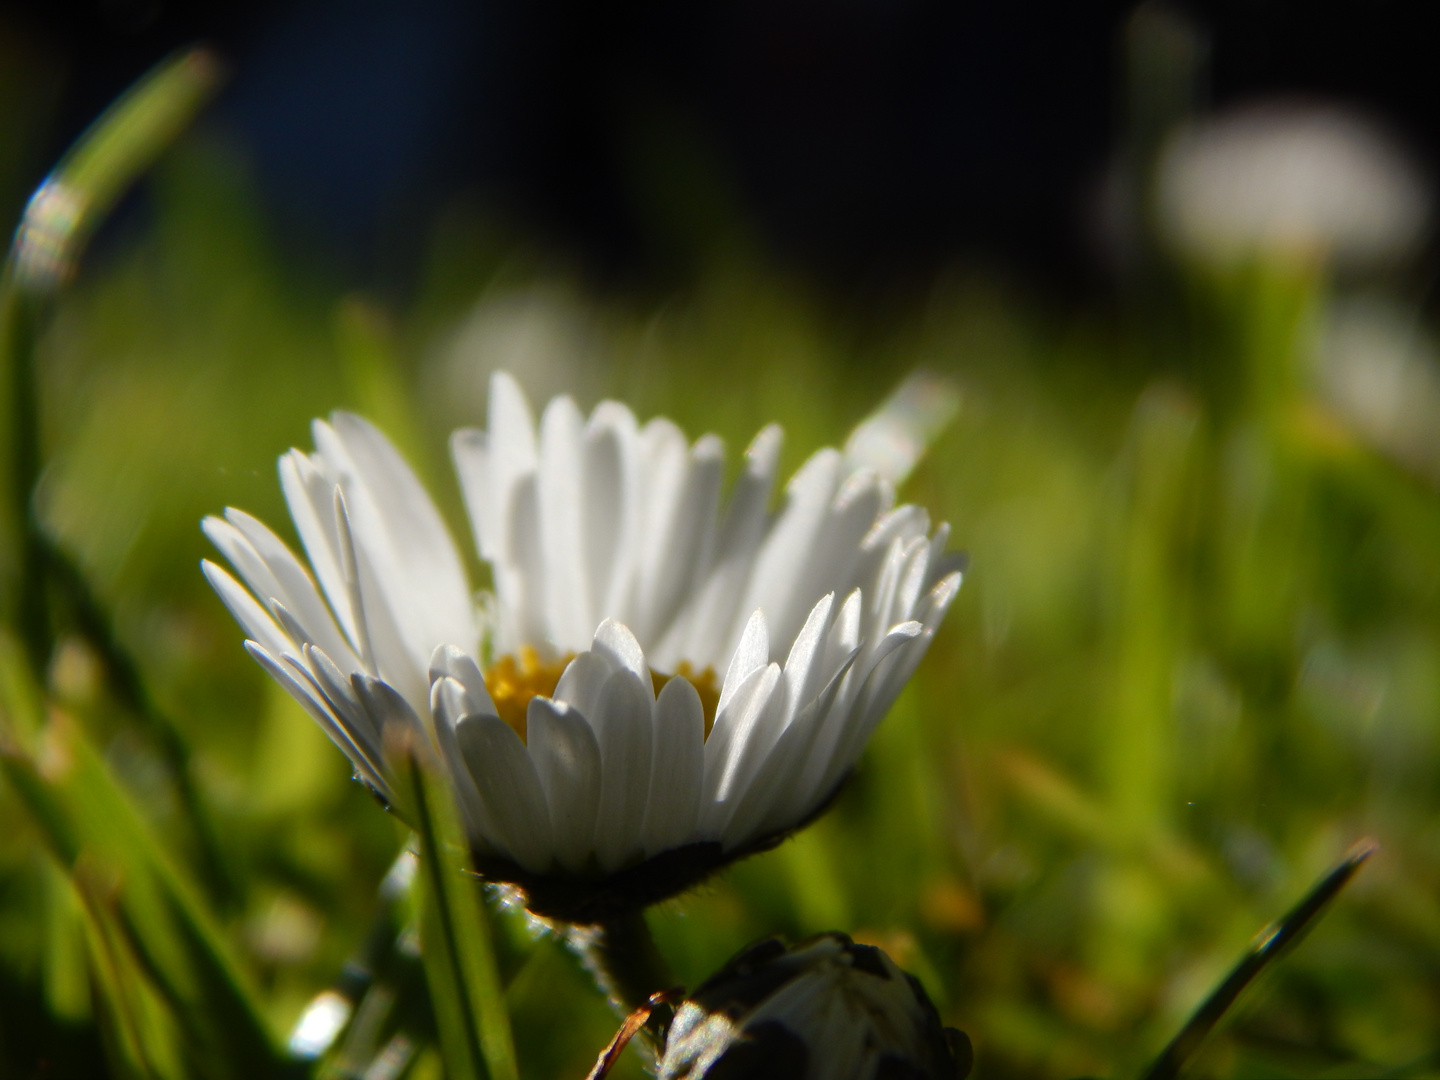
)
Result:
{"points": [[1198, 654]]}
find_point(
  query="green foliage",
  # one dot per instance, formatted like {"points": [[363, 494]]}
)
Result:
{"points": [[1197, 657]]}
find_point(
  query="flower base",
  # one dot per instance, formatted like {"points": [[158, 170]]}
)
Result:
{"points": [[592, 901]]}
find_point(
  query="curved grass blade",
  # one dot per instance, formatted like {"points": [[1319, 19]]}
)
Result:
{"points": [[459, 959], [104, 162], [58, 220], [1268, 945]]}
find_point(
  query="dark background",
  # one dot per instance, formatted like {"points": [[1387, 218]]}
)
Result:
{"points": [[863, 141]]}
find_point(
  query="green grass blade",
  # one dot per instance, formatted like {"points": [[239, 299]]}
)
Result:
{"points": [[1268, 945], [59, 218], [459, 956], [106, 160], [132, 1022], [99, 838]]}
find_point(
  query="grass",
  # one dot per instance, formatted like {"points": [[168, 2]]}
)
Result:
{"points": [[1196, 658]]}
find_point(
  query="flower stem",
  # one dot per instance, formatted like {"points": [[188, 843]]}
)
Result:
{"points": [[621, 954]]}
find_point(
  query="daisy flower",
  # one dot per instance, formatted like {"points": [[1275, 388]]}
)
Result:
{"points": [[1292, 180], [661, 680], [826, 1009]]}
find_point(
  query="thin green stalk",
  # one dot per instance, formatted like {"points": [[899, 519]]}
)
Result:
{"points": [[1271, 942], [94, 624], [465, 988], [20, 316], [59, 218]]}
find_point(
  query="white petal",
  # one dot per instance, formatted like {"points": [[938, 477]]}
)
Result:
{"points": [[491, 462], [914, 578], [311, 498], [289, 625], [682, 489], [509, 789], [255, 621], [710, 616], [567, 761], [334, 685], [470, 454], [677, 771], [752, 654], [772, 781], [844, 637], [583, 680], [385, 704], [562, 537], [349, 569], [369, 769], [834, 554], [511, 426], [292, 586], [880, 601], [623, 722], [402, 533], [903, 522], [449, 703], [382, 638], [782, 559], [447, 660], [616, 643], [829, 717], [937, 549], [895, 436], [613, 509], [881, 691], [447, 698], [359, 727], [802, 667], [754, 738], [935, 603], [728, 766], [869, 706]]}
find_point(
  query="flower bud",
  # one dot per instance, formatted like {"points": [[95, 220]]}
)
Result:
{"points": [[826, 1009]]}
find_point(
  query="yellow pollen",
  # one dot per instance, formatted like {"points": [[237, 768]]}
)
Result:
{"points": [[513, 681]]}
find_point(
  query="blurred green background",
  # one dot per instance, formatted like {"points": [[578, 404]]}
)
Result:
{"points": [[1197, 655]]}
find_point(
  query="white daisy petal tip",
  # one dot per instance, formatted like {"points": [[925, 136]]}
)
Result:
{"points": [[667, 681]]}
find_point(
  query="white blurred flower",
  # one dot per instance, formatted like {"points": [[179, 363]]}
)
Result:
{"points": [[595, 754], [1292, 180], [1379, 369], [827, 1009], [544, 334]]}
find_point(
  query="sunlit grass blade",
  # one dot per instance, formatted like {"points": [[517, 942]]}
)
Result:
{"points": [[106, 160], [140, 1040], [129, 886], [58, 220], [1271, 942], [459, 957], [59, 217]]}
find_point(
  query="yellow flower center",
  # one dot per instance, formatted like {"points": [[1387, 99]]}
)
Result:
{"points": [[514, 680]]}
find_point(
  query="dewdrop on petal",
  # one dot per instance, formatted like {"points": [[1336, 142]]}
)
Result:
{"points": [[661, 682], [826, 1009]]}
